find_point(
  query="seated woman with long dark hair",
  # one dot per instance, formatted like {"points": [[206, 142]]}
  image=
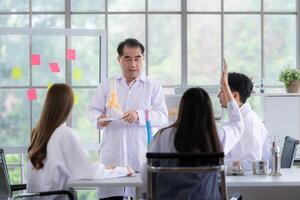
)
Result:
{"points": [[195, 131], [55, 153]]}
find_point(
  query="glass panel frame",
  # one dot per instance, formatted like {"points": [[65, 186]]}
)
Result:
{"points": [[87, 5], [22, 18], [280, 5], [204, 49], [280, 49], [121, 27], [164, 48], [56, 53], [125, 5], [239, 6], [242, 34], [204, 5], [164, 5], [14, 5]]}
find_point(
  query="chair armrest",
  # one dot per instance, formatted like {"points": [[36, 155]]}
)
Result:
{"points": [[236, 196], [48, 193], [58, 192], [18, 187]]}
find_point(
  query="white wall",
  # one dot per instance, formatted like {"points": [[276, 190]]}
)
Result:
{"points": [[282, 115]]}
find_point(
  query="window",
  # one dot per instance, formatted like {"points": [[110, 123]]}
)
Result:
{"points": [[185, 41], [83, 73], [257, 37]]}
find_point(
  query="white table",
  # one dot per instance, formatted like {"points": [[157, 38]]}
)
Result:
{"points": [[257, 187], [251, 186], [132, 181]]}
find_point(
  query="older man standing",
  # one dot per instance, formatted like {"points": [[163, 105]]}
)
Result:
{"points": [[119, 106]]}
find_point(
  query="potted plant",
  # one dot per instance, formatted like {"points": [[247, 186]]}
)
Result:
{"points": [[291, 79]]}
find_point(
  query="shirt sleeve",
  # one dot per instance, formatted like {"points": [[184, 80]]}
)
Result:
{"points": [[81, 167], [97, 105], [103, 173], [155, 144], [76, 160], [231, 133], [158, 114], [154, 147]]}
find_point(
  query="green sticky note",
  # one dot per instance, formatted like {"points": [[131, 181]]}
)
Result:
{"points": [[77, 74], [75, 98], [49, 85], [16, 73]]}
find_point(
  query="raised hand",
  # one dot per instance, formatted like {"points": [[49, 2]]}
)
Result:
{"points": [[224, 82], [224, 75]]}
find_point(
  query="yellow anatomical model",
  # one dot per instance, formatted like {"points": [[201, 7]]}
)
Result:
{"points": [[113, 103]]}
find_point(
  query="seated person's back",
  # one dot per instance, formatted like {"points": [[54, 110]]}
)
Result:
{"points": [[65, 161], [55, 153], [194, 131], [182, 185]]}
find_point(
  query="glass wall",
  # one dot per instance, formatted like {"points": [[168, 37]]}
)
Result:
{"points": [[185, 41]]}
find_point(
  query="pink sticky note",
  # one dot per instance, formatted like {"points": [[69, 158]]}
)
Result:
{"points": [[31, 94], [35, 59], [54, 67], [71, 54]]}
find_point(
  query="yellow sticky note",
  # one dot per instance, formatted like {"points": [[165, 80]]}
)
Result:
{"points": [[16, 73], [75, 98], [49, 85], [77, 74]]}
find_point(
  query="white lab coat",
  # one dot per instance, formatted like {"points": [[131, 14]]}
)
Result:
{"points": [[66, 160], [124, 143], [231, 132], [253, 141]]}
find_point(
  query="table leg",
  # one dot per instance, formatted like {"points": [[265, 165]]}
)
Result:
{"points": [[136, 193]]}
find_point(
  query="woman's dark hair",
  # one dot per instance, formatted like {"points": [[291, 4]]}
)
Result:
{"points": [[195, 125]]}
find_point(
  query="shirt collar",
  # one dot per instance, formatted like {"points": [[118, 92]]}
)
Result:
{"points": [[63, 124], [142, 78], [118, 77], [245, 108]]}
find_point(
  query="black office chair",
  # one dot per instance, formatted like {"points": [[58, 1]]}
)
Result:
{"points": [[188, 176], [6, 189], [288, 152]]}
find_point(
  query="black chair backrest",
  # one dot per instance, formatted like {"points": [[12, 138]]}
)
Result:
{"points": [[5, 190], [186, 176], [187, 156], [288, 152]]}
